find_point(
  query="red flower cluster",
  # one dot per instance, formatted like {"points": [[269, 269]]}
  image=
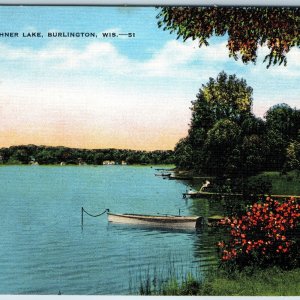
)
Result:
{"points": [[265, 230]]}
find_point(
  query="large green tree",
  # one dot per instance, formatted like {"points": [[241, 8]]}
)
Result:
{"points": [[247, 28], [226, 97], [183, 154], [282, 126], [221, 148], [224, 138], [293, 156]]}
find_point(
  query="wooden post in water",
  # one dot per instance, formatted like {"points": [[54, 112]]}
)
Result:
{"points": [[81, 218]]}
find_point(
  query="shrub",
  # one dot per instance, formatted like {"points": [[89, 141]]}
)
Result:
{"points": [[265, 235]]}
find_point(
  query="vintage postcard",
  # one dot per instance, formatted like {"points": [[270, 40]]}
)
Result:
{"points": [[150, 150]]}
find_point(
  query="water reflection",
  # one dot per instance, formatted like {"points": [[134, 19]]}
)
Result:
{"points": [[204, 256], [206, 206], [150, 228], [205, 242]]}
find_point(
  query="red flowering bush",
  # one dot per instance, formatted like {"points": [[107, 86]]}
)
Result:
{"points": [[267, 234]]}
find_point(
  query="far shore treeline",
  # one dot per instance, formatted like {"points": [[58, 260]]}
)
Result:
{"points": [[46, 155]]}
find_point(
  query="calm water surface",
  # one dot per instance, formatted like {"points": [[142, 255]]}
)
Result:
{"points": [[44, 251]]}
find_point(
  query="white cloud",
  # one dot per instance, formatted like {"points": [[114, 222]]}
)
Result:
{"points": [[9, 53], [103, 56], [184, 59], [173, 60], [291, 70]]}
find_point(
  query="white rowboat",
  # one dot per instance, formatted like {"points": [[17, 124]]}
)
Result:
{"points": [[176, 222]]}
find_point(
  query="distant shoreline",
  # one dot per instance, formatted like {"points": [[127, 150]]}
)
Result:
{"points": [[60, 155]]}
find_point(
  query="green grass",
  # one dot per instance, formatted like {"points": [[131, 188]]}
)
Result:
{"points": [[268, 282], [288, 184]]}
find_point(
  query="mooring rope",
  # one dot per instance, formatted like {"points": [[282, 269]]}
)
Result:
{"points": [[106, 210], [94, 216]]}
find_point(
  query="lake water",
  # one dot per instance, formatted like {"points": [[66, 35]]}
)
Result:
{"points": [[44, 251]]}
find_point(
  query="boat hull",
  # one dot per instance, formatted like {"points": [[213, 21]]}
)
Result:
{"points": [[163, 175], [176, 222]]}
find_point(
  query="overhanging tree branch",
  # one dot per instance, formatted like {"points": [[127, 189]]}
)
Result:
{"points": [[247, 28]]}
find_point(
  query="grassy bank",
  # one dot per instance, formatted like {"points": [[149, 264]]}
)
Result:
{"points": [[268, 282], [288, 184]]}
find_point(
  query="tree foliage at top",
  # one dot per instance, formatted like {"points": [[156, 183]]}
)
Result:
{"points": [[246, 27]]}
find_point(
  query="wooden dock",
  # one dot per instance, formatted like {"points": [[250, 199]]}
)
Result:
{"points": [[180, 178], [207, 194], [211, 194]]}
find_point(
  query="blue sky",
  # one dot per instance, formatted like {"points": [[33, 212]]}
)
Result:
{"points": [[116, 92]]}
